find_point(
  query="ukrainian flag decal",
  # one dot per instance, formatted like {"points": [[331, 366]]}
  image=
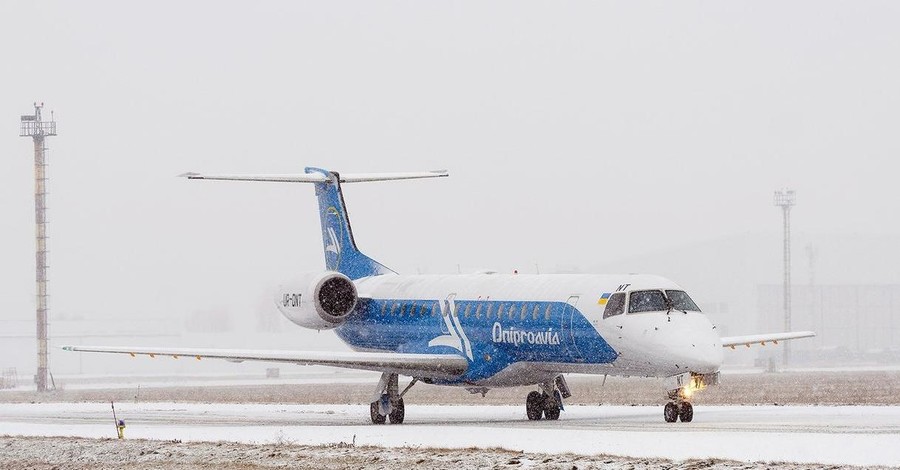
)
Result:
{"points": [[604, 298]]}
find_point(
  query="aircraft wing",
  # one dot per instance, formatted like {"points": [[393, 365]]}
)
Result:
{"points": [[414, 365], [732, 341]]}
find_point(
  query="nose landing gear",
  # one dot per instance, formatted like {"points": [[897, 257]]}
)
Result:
{"points": [[681, 389], [673, 411]]}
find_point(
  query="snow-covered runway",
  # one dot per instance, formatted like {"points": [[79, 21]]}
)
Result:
{"points": [[860, 435]]}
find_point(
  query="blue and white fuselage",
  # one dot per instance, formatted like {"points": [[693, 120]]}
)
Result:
{"points": [[526, 329], [482, 330]]}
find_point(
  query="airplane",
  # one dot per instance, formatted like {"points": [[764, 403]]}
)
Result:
{"points": [[484, 330]]}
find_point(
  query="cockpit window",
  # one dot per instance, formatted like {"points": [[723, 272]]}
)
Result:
{"points": [[615, 305], [681, 301], [647, 301]]}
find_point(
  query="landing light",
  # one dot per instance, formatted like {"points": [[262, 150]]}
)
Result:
{"points": [[694, 385]]}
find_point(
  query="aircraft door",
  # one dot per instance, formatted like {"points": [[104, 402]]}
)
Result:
{"points": [[568, 333]]}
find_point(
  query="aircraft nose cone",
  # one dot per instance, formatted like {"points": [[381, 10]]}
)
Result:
{"points": [[706, 353], [709, 361], [698, 349]]}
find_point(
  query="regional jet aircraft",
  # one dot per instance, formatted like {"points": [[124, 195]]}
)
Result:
{"points": [[487, 330]]}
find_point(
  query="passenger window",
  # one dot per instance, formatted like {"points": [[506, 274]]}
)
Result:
{"points": [[534, 313], [523, 312], [478, 311], [547, 313], [402, 308], [511, 312], [468, 307], [499, 311], [434, 309], [394, 308], [615, 305], [383, 308]]}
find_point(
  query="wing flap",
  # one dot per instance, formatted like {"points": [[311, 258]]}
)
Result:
{"points": [[415, 365], [732, 341]]}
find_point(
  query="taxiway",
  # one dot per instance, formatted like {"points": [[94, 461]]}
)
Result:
{"points": [[839, 435]]}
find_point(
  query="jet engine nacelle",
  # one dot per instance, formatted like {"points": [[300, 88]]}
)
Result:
{"points": [[319, 301]]}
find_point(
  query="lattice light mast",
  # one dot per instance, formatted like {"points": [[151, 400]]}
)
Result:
{"points": [[786, 198], [33, 125]]}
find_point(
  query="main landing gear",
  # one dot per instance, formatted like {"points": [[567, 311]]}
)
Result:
{"points": [[389, 403], [548, 402], [539, 405]]}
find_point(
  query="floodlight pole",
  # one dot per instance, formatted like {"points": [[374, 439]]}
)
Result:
{"points": [[33, 125], [786, 198]]}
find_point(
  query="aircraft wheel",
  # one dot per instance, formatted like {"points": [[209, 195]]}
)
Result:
{"points": [[398, 413], [534, 406], [670, 412], [686, 414], [377, 418], [551, 409]]}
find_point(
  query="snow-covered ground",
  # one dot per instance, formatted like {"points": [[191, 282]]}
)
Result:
{"points": [[306, 375], [840, 435]]}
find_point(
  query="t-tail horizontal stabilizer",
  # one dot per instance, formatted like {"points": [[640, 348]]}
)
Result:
{"points": [[341, 253], [319, 177]]}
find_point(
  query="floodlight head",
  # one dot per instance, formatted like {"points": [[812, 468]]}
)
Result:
{"points": [[785, 198]]}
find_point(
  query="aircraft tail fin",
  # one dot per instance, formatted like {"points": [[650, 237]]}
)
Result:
{"points": [[341, 253]]}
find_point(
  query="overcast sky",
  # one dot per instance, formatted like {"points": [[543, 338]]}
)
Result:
{"points": [[574, 132]]}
